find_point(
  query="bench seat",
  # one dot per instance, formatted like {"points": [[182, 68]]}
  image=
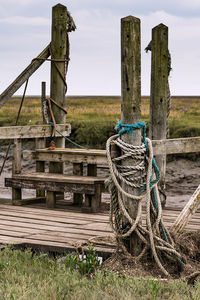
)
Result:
{"points": [[52, 182]]}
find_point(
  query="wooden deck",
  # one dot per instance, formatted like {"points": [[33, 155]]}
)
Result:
{"points": [[61, 230]]}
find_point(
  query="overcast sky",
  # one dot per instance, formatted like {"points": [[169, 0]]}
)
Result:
{"points": [[25, 29]]}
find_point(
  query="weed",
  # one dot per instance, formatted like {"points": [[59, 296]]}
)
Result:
{"points": [[85, 263], [154, 289]]}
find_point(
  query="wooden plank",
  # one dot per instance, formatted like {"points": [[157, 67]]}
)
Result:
{"points": [[68, 155], [175, 146], [60, 177], [166, 146], [53, 218], [17, 83], [28, 201], [32, 131], [55, 213], [49, 185], [52, 246], [32, 223], [51, 221]]}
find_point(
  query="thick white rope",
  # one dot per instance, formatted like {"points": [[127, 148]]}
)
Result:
{"points": [[136, 176]]}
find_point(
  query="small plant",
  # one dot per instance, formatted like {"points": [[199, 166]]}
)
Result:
{"points": [[85, 263], [154, 289]]}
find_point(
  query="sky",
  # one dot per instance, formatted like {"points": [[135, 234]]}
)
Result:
{"points": [[94, 68]]}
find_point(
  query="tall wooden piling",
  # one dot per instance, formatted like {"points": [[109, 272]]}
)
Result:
{"points": [[131, 96], [59, 50], [159, 87]]}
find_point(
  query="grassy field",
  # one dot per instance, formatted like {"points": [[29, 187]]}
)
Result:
{"points": [[27, 276], [94, 117]]}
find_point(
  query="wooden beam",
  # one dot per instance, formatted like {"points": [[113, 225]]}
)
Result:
{"points": [[17, 83], [171, 146], [32, 131], [187, 212], [175, 146]]}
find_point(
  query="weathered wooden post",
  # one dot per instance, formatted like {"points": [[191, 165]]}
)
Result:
{"points": [[59, 51], [131, 97], [159, 90], [40, 144]]}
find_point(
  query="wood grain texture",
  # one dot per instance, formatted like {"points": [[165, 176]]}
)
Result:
{"points": [[32, 131], [158, 95], [57, 230], [131, 101]]}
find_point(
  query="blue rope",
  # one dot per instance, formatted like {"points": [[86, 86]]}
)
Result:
{"points": [[68, 139], [126, 128]]}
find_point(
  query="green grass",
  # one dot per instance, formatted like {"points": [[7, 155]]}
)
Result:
{"points": [[93, 118], [27, 276]]}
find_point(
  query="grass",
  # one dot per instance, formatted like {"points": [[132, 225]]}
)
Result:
{"points": [[94, 117], [27, 276]]}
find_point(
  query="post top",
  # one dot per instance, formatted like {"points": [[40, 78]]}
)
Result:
{"points": [[59, 6], [130, 18], [160, 26]]}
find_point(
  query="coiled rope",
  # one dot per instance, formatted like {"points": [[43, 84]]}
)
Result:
{"points": [[142, 175]]}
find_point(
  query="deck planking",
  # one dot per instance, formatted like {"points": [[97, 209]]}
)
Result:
{"points": [[61, 230]]}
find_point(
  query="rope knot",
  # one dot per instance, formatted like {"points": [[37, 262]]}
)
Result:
{"points": [[129, 128]]}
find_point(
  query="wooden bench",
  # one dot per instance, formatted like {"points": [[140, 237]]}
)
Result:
{"points": [[48, 185], [52, 183], [78, 157]]}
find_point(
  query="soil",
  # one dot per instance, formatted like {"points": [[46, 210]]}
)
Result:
{"points": [[187, 244]]}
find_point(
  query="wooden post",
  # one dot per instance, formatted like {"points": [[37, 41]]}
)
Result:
{"points": [[40, 144], [16, 168], [158, 97], [131, 97], [59, 50], [78, 170]]}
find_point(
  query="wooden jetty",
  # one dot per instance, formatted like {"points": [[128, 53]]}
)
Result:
{"points": [[61, 230]]}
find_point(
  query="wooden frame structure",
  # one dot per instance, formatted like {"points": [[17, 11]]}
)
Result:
{"points": [[131, 102]]}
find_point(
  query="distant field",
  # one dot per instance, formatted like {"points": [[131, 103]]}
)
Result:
{"points": [[94, 117]]}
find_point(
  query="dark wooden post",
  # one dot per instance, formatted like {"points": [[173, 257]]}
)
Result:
{"points": [[40, 144], [16, 168], [158, 97], [78, 170], [59, 50], [131, 96]]}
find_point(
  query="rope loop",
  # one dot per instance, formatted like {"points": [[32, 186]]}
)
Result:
{"points": [[136, 179]]}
